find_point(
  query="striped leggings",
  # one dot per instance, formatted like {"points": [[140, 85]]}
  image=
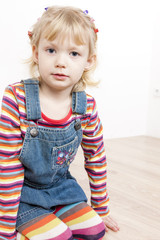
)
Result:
{"points": [[72, 222]]}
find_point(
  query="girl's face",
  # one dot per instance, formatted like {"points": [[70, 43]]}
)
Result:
{"points": [[61, 63]]}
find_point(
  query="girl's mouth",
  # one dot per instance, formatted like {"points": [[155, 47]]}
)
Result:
{"points": [[60, 76]]}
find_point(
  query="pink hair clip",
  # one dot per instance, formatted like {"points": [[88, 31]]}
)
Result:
{"points": [[96, 30], [92, 20]]}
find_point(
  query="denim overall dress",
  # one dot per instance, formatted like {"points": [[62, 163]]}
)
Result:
{"points": [[46, 155]]}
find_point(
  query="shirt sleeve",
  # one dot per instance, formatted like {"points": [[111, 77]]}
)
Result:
{"points": [[11, 169], [95, 160]]}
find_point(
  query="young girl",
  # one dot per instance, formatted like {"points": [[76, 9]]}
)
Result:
{"points": [[43, 122]]}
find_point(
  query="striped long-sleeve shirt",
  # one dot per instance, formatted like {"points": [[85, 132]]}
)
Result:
{"points": [[12, 132]]}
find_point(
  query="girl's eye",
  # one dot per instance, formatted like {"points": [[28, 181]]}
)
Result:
{"points": [[50, 50], [74, 54]]}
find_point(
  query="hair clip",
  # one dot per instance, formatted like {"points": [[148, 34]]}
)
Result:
{"points": [[30, 34], [96, 30], [85, 12], [46, 8], [92, 20]]}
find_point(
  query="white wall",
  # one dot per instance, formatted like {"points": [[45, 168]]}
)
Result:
{"points": [[153, 119], [128, 51]]}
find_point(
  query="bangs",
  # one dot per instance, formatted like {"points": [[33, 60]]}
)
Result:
{"points": [[65, 31]]}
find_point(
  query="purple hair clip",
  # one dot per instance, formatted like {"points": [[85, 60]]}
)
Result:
{"points": [[85, 12], [46, 8]]}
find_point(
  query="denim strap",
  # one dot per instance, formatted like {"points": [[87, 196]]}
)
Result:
{"points": [[79, 102], [31, 87]]}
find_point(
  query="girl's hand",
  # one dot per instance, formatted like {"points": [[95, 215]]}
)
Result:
{"points": [[110, 223]]}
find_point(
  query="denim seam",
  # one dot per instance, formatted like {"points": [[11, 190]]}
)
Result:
{"points": [[28, 212]]}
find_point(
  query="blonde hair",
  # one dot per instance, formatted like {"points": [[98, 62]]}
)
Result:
{"points": [[66, 21]]}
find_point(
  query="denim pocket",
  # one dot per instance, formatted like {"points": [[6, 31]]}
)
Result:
{"points": [[63, 155]]}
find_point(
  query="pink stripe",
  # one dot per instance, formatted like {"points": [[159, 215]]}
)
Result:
{"points": [[65, 235], [91, 230]]}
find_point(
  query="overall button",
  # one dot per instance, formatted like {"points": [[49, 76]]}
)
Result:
{"points": [[77, 125], [34, 132]]}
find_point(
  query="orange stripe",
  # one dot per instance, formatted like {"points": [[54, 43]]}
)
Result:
{"points": [[13, 177], [77, 214], [8, 91], [39, 224], [9, 161], [11, 194], [10, 211], [8, 129], [95, 167], [88, 146], [6, 227], [99, 154], [11, 145]]}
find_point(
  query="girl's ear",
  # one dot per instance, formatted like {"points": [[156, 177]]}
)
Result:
{"points": [[35, 53], [90, 63]]}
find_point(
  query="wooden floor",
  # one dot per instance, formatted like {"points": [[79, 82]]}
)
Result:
{"points": [[133, 186]]}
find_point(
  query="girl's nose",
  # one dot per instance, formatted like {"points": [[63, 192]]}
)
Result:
{"points": [[60, 62]]}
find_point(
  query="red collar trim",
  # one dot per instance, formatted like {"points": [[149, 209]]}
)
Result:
{"points": [[61, 121]]}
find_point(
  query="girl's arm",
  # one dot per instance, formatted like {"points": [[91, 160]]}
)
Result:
{"points": [[95, 160], [95, 165], [11, 169]]}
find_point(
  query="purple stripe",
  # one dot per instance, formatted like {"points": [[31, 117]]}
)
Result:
{"points": [[23, 115], [98, 139], [91, 132], [55, 125], [94, 117], [9, 202], [90, 151], [98, 199], [95, 173], [94, 230], [90, 100], [16, 167], [101, 208], [101, 161], [98, 186], [8, 120], [21, 97], [12, 103], [11, 186], [8, 219], [10, 136], [9, 236], [91, 237], [7, 154]]}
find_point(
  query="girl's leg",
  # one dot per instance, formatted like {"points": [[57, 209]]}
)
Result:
{"points": [[83, 221], [45, 227]]}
